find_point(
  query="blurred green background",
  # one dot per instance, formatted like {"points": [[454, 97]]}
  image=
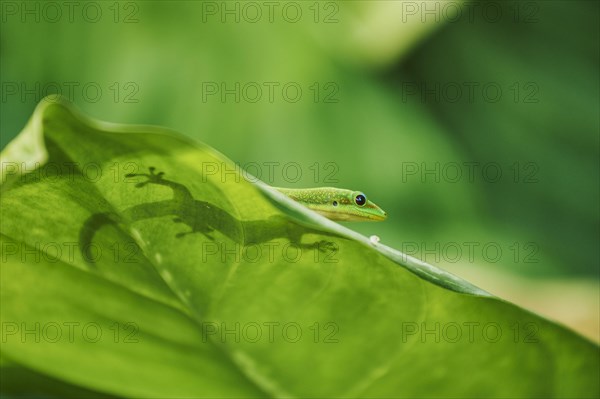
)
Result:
{"points": [[396, 98]]}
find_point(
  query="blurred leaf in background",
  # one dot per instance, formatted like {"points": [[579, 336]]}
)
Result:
{"points": [[359, 94]]}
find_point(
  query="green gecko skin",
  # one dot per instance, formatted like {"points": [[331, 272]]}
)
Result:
{"points": [[336, 203]]}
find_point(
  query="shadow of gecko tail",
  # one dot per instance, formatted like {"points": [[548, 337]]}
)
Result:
{"points": [[88, 231]]}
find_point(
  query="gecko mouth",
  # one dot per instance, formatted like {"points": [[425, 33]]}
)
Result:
{"points": [[349, 217], [376, 213], [380, 216]]}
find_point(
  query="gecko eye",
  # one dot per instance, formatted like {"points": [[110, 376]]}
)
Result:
{"points": [[360, 200], [335, 203]]}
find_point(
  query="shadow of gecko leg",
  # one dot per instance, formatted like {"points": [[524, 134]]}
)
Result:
{"points": [[201, 217]]}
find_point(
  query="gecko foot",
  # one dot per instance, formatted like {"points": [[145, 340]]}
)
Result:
{"points": [[326, 246], [152, 177]]}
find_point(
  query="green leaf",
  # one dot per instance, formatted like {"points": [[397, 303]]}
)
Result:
{"points": [[18, 382], [138, 263]]}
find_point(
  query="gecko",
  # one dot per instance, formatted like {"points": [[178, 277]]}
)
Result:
{"points": [[336, 204], [206, 218]]}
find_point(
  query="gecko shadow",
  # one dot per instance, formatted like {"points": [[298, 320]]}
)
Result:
{"points": [[202, 218]]}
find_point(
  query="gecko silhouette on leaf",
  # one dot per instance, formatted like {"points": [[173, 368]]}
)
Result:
{"points": [[200, 217]]}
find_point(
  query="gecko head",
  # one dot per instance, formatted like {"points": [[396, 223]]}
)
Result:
{"points": [[366, 209], [353, 206]]}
